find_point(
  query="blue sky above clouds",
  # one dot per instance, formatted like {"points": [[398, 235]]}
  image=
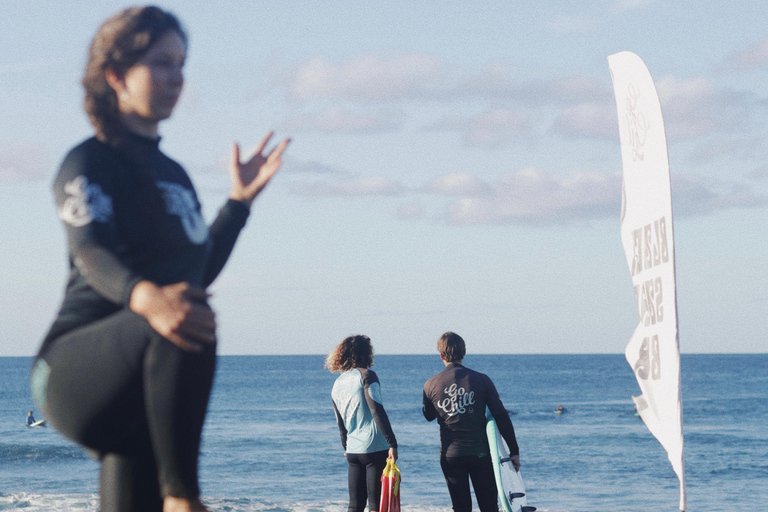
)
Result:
{"points": [[454, 167]]}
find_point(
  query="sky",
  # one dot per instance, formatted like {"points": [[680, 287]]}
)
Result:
{"points": [[454, 166]]}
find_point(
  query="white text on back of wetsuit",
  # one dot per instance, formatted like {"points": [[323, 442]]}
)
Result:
{"points": [[457, 401]]}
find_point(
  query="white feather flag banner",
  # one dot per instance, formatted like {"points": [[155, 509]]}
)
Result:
{"points": [[647, 236]]}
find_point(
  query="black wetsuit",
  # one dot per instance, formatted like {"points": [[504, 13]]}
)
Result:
{"points": [[457, 397], [103, 376]]}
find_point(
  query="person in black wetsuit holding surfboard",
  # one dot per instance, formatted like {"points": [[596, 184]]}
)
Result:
{"points": [[127, 367], [457, 397]]}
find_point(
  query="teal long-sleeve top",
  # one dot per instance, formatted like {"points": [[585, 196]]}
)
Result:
{"points": [[363, 423]]}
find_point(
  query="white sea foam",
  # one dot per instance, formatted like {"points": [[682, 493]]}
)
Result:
{"points": [[47, 502], [90, 503]]}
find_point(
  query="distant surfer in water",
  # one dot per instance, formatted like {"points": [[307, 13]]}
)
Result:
{"points": [[457, 397], [560, 409], [127, 367], [366, 434], [30, 419]]}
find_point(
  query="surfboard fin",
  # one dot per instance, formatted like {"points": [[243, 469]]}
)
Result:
{"points": [[528, 509], [514, 495]]}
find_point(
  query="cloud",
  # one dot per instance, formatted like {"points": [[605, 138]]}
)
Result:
{"points": [[22, 161], [375, 78], [695, 107], [579, 88], [692, 195], [589, 119], [361, 186], [532, 196], [496, 82], [492, 128], [366, 78], [337, 120], [512, 107], [753, 57], [692, 107], [457, 184]]}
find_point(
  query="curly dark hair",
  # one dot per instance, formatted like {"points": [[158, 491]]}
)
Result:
{"points": [[354, 352], [120, 42]]}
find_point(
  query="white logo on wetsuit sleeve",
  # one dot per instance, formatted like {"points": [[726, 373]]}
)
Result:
{"points": [[457, 402], [86, 202], [180, 201]]}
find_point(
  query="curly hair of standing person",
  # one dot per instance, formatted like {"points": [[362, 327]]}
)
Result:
{"points": [[354, 352]]}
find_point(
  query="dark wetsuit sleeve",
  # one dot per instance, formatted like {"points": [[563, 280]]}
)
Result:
{"points": [[427, 407], [501, 416], [342, 428], [104, 272], [84, 204], [377, 409], [224, 232]]}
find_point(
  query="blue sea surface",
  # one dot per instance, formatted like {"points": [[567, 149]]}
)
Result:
{"points": [[271, 441]]}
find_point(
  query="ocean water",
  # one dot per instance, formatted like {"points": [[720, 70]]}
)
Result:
{"points": [[271, 442]]}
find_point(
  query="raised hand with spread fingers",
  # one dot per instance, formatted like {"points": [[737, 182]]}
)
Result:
{"points": [[249, 178]]}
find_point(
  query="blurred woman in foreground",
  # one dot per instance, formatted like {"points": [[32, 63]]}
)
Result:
{"points": [[126, 369]]}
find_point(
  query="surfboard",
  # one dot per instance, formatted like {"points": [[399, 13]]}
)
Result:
{"points": [[39, 423], [508, 481]]}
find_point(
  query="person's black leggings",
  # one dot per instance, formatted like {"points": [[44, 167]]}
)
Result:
{"points": [[365, 479], [120, 389], [458, 471]]}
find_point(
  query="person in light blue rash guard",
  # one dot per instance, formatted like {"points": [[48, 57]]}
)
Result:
{"points": [[366, 434]]}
